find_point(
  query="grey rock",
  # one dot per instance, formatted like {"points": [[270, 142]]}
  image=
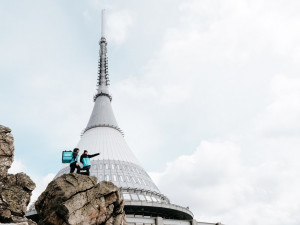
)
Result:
{"points": [[15, 193], [15, 189], [20, 221], [6, 150], [79, 199]]}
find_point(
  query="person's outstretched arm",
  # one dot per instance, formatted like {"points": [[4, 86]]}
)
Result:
{"points": [[91, 156]]}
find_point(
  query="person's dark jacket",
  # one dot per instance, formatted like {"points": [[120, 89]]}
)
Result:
{"points": [[85, 159]]}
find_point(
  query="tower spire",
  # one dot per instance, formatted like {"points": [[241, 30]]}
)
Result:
{"points": [[103, 79], [103, 24], [102, 114]]}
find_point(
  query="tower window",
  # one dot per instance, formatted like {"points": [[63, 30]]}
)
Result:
{"points": [[148, 198], [154, 199], [126, 196], [142, 197], [107, 177], [134, 197]]}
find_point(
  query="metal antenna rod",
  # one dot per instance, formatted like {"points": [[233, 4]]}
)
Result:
{"points": [[103, 24]]}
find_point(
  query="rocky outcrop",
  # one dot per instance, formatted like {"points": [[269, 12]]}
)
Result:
{"points": [[20, 221], [6, 150], [15, 189], [79, 199]]}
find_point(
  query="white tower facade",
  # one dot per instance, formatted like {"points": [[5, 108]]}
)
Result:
{"points": [[144, 203], [117, 163]]}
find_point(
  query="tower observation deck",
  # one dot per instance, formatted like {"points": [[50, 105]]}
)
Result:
{"points": [[117, 163]]}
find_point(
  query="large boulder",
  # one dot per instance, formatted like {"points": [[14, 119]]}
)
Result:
{"points": [[79, 199], [15, 193], [15, 189], [6, 150]]}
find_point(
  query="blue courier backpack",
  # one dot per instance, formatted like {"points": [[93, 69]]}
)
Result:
{"points": [[67, 156], [86, 161]]}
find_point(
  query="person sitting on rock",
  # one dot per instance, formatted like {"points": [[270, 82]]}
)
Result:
{"points": [[85, 160], [74, 161]]}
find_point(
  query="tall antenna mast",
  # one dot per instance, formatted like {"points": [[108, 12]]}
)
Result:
{"points": [[103, 24], [103, 79]]}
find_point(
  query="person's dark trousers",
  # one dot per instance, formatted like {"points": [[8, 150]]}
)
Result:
{"points": [[87, 168], [73, 167]]}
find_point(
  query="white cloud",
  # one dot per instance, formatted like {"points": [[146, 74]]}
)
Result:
{"points": [[217, 186], [282, 114], [41, 184], [118, 25], [210, 79], [16, 167]]}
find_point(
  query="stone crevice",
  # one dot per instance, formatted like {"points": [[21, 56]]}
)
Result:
{"points": [[79, 192]]}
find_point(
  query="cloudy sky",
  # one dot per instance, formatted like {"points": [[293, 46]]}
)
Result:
{"points": [[206, 91]]}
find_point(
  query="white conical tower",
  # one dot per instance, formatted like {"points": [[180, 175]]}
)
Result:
{"points": [[117, 162]]}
